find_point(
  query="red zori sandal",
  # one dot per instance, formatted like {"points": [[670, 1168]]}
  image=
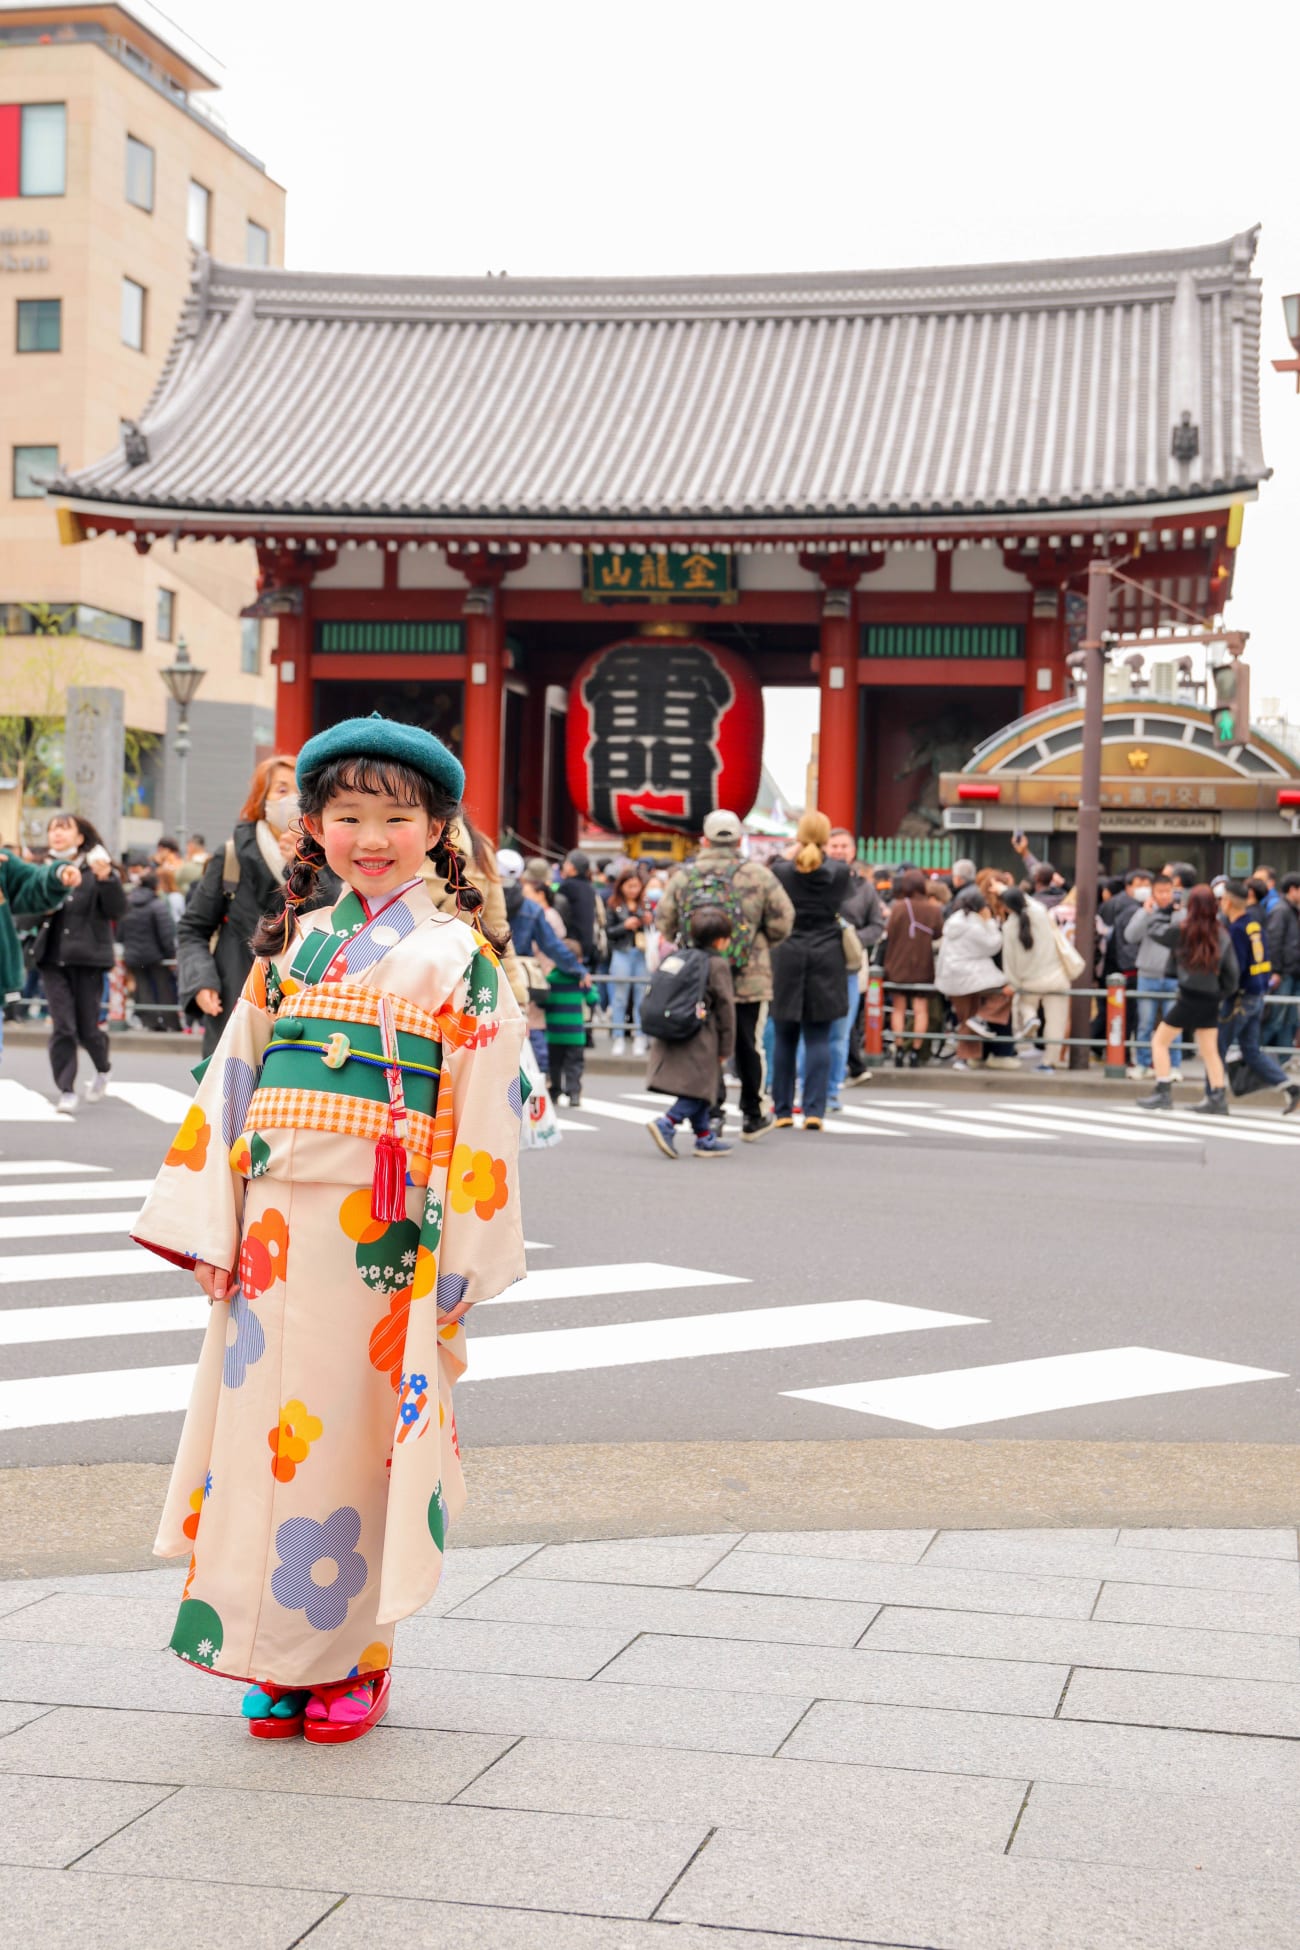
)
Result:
{"points": [[274, 1712], [347, 1710]]}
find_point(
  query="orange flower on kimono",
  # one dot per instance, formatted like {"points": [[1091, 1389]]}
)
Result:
{"points": [[478, 1182], [291, 1440], [264, 1254], [189, 1147]]}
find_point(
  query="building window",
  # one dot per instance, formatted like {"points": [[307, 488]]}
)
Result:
{"points": [[133, 297], [198, 216], [165, 624], [40, 324], [250, 645], [106, 626], [29, 463], [71, 619], [33, 143], [139, 173], [257, 244]]}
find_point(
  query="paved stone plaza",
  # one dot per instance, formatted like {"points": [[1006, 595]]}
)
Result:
{"points": [[963, 1740]]}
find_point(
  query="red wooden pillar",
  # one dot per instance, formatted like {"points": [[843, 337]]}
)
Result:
{"points": [[839, 693], [485, 647], [288, 577], [1045, 647]]}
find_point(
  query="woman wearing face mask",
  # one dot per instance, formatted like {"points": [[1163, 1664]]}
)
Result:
{"points": [[242, 881]]}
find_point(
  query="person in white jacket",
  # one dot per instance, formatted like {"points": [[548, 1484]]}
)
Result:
{"points": [[1032, 961], [967, 974]]}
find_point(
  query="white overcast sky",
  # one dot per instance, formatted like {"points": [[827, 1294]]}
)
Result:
{"points": [[734, 135]]}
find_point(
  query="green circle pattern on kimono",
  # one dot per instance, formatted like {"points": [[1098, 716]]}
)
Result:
{"points": [[431, 1229], [438, 1518], [482, 986], [198, 1633], [387, 1264]]}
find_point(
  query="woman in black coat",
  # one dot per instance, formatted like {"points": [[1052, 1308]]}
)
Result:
{"points": [[148, 938], [808, 973], [242, 881], [74, 951]]}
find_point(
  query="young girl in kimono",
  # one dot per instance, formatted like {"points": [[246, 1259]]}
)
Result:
{"points": [[344, 1188]]}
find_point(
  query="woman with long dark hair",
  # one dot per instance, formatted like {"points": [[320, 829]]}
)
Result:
{"points": [[1034, 965], [626, 922], [74, 952], [1205, 964], [808, 973]]}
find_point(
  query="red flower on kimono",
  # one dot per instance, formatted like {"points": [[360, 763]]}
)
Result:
{"points": [[264, 1254]]}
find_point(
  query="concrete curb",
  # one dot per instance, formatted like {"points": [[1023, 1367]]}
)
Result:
{"points": [[68, 1519]]}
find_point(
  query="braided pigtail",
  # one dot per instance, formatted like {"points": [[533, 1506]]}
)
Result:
{"points": [[274, 932], [446, 857]]}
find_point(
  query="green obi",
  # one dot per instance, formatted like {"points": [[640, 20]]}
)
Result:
{"points": [[295, 1060]]}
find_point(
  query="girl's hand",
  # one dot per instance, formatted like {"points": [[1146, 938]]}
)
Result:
{"points": [[209, 1000], [70, 876], [102, 869], [456, 1314], [215, 1280]]}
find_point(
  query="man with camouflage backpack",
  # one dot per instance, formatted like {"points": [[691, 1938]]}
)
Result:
{"points": [[761, 915]]}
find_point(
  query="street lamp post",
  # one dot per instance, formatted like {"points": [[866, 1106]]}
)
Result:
{"points": [[182, 679], [1291, 313], [1088, 843]]}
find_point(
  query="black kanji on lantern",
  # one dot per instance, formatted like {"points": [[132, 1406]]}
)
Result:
{"points": [[655, 713]]}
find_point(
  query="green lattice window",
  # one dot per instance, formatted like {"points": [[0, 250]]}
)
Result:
{"points": [[416, 639], [943, 640]]}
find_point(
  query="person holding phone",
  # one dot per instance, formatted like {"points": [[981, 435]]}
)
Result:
{"points": [[73, 952]]}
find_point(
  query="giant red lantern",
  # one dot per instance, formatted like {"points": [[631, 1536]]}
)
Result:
{"points": [[661, 732]]}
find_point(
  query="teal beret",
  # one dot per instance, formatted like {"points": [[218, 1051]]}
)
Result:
{"points": [[376, 737]]}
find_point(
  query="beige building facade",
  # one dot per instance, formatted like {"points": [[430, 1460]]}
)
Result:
{"points": [[112, 175]]}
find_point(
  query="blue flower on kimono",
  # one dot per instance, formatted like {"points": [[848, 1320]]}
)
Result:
{"points": [[410, 1412], [238, 1082], [248, 1346], [207, 1486], [302, 1543], [419, 1383], [451, 1291], [515, 1096]]}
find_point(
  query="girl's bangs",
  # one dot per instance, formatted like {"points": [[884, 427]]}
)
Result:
{"points": [[378, 776]]}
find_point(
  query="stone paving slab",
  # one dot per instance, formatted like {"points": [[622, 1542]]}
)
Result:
{"points": [[82, 1675], [406, 1848], [1047, 1750], [1225, 1611], [896, 1678], [638, 1560], [788, 1797], [1225, 1543], [190, 1750], [48, 1824], [53, 1909], [13, 1715], [473, 1645], [1126, 1564], [1163, 1700], [1254, 1839], [905, 1584], [16, 1594], [685, 1614], [983, 1903], [1087, 1642], [75, 1618], [878, 1546]]}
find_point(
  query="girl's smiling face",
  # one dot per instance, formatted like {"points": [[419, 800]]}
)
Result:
{"points": [[373, 841]]}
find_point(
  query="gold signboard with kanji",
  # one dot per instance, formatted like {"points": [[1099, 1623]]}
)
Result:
{"points": [[695, 576]]}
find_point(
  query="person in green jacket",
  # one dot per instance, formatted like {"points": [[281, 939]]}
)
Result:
{"points": [[566, 1009], [25, 889]]}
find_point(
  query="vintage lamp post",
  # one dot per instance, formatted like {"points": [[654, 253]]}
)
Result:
{"points": [[1291, 313], [182, 679]]}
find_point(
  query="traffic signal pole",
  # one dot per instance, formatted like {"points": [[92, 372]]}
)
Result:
{"points": [[1088, 844]]}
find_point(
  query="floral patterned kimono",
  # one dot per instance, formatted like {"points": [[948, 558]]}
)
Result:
{"points": [[318, 1468]]}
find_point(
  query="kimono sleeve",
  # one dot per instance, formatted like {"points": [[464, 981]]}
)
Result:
{"points": [[196, 1205], [482, 1238]]}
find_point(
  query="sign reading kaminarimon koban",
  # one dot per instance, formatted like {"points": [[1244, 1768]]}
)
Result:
{"points": [[661, 732], [694, 575]]}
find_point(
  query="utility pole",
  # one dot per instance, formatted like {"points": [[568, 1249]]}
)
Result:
{"points": [[1088, 843]]}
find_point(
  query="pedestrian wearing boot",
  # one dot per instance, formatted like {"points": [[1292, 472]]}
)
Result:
{"points": [[1204, 962], [1243, 1017]]}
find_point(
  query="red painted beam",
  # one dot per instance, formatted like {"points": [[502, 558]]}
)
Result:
{"points": [[958, 672]]}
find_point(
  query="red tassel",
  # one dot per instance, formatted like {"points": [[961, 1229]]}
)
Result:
{"points": [[388, 1186]]}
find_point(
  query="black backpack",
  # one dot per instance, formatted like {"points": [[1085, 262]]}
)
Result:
{"points": [[674, 1007]]}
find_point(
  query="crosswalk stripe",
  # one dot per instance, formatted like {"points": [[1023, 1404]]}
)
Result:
{"points": [[36, 1167], [24, 1326], [1064, 1122], [622, 1113], [571, 1124], [938, 1124], [565, 1350], [20, 1105], [962, 1398], [45, 1269], [1188, 1121], [136, 1188], [44, 1401], [154, 1099], [66, 1225], [627, 1276]]}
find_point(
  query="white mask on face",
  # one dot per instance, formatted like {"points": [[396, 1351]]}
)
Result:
{"points": [[281, 813]]}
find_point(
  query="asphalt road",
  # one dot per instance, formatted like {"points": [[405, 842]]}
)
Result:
{"points": [[912, 1258]]}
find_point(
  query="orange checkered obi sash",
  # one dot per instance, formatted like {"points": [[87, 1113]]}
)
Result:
{"points": [[324, 1067]]}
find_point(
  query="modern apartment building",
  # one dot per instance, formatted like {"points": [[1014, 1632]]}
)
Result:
{"points": [[113, 174]]}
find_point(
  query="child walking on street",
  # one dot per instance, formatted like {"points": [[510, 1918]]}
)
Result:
{"points": [[344, 1188], [686, 1063], [566, 1009]]}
